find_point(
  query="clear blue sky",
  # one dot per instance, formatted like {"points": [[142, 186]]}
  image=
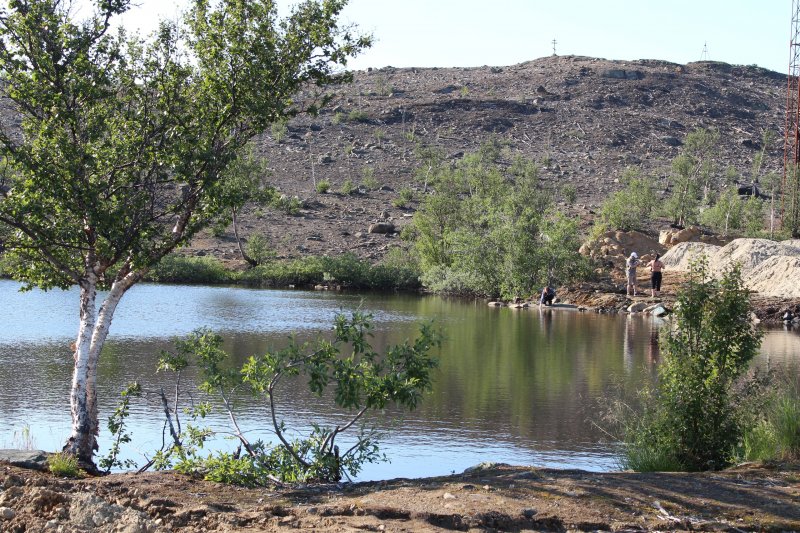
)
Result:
{"points": [[447, 33]]}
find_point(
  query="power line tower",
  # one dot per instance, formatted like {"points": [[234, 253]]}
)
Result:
{"points": [[790, 184], [704, 53]]}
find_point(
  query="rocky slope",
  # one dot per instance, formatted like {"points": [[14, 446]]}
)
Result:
{"points": [[585, 120]]}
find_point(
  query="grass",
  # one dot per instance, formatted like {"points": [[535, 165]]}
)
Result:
{"points": [[346, 271], [775, 434], [199, 270], [64, 465], [22, 439]]}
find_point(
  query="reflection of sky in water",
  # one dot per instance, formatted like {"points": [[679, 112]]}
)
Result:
{"points": [[519, 387], [161, 311]]}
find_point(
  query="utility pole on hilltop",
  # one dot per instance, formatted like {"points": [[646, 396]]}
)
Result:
{"points": [[554, 47], [704, 54]]}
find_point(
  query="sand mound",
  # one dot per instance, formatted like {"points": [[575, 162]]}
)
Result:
{"points": [[679, 256], [768, 267], [792, 243], [749, 253], [776, 276]]}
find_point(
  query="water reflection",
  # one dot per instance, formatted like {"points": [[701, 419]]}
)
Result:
{"points": [[513, 386]]}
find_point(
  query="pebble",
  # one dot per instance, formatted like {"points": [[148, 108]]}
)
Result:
{"points": [[448, 496]]}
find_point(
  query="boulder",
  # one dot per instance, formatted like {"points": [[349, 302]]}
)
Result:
{"points": [[381, 227], [637, 307], [660, 311], [34, 459], [671, 237]]}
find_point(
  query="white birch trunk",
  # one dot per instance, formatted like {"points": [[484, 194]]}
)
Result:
{"points": [[83, 404], [92, 334]]}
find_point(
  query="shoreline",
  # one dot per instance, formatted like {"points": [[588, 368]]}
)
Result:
{"points": [[748, 497]]}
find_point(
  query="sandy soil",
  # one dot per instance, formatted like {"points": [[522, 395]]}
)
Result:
{"points": [[493, 498]]}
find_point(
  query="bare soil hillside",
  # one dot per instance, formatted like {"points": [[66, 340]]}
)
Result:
{"points": [[585, 120]]}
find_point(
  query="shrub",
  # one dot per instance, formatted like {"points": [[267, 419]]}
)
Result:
{"points": [[404, 198], [64, 464], [179, 269], [690, 420], [368, 180], [279, 130], [348, 188], [363, 382], [299, 272], [773, 428], [219, 227], [258, 249], [288, 204], [630, 208], [569, 193], [357, 115], [323, 186], [338, 118]]}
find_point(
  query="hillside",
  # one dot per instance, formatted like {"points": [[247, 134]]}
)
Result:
{"points": [[585, 120]]}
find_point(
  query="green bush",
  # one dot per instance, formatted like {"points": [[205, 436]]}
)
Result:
{"points": [[368, 180], [323, 186], [630, 208], [180, 269], [357, 115], [298, 272], [348, 188], [362, 381], [773, 428], [258, 249], [569, 193], [351, 272], [690, 420], [219, 227], [288, 204], [279, 130], [405, 197], [64, 465]]}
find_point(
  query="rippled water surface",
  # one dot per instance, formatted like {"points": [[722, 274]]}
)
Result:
{"points": [[521, 387]]}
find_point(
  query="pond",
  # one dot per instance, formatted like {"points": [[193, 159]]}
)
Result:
{"points": [[514, 386]]}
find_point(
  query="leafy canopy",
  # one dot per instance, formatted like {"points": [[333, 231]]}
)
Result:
{"points": [[122, 144]]}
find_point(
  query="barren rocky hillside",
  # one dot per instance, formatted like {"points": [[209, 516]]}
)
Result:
{"points": [[585, 120]]}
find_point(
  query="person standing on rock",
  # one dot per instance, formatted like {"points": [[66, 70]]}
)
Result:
{"points": [[630, 272], [655, 267]]}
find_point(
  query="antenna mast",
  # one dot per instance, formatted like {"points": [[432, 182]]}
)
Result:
{"points": [[791, 152], [704, 53]]}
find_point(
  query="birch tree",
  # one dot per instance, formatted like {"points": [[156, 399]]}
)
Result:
{"points": [[115, 147]]}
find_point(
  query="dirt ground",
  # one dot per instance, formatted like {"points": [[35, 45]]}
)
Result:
{"points": [[489, 498]]}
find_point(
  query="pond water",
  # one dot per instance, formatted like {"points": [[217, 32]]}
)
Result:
{"points": [[520, 387]]}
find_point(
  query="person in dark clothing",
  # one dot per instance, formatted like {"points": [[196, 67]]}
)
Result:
{"points": [[548, 295], [656, 267]]}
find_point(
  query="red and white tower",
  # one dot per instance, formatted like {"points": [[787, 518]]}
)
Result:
{"points": [[790, 186]]}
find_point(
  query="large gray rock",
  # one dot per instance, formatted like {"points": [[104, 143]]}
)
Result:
{"points": [[381, 227], [34, 459], [637, 307]]}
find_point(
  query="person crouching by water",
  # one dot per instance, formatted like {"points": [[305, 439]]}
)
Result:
{"points": [[630, 272], [548, 294], [656, 267]]}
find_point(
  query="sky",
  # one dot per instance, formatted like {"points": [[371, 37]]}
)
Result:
{"points": [[468, 33]]}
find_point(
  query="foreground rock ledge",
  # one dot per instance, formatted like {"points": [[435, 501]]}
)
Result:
{"points": [[494, 497]]}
